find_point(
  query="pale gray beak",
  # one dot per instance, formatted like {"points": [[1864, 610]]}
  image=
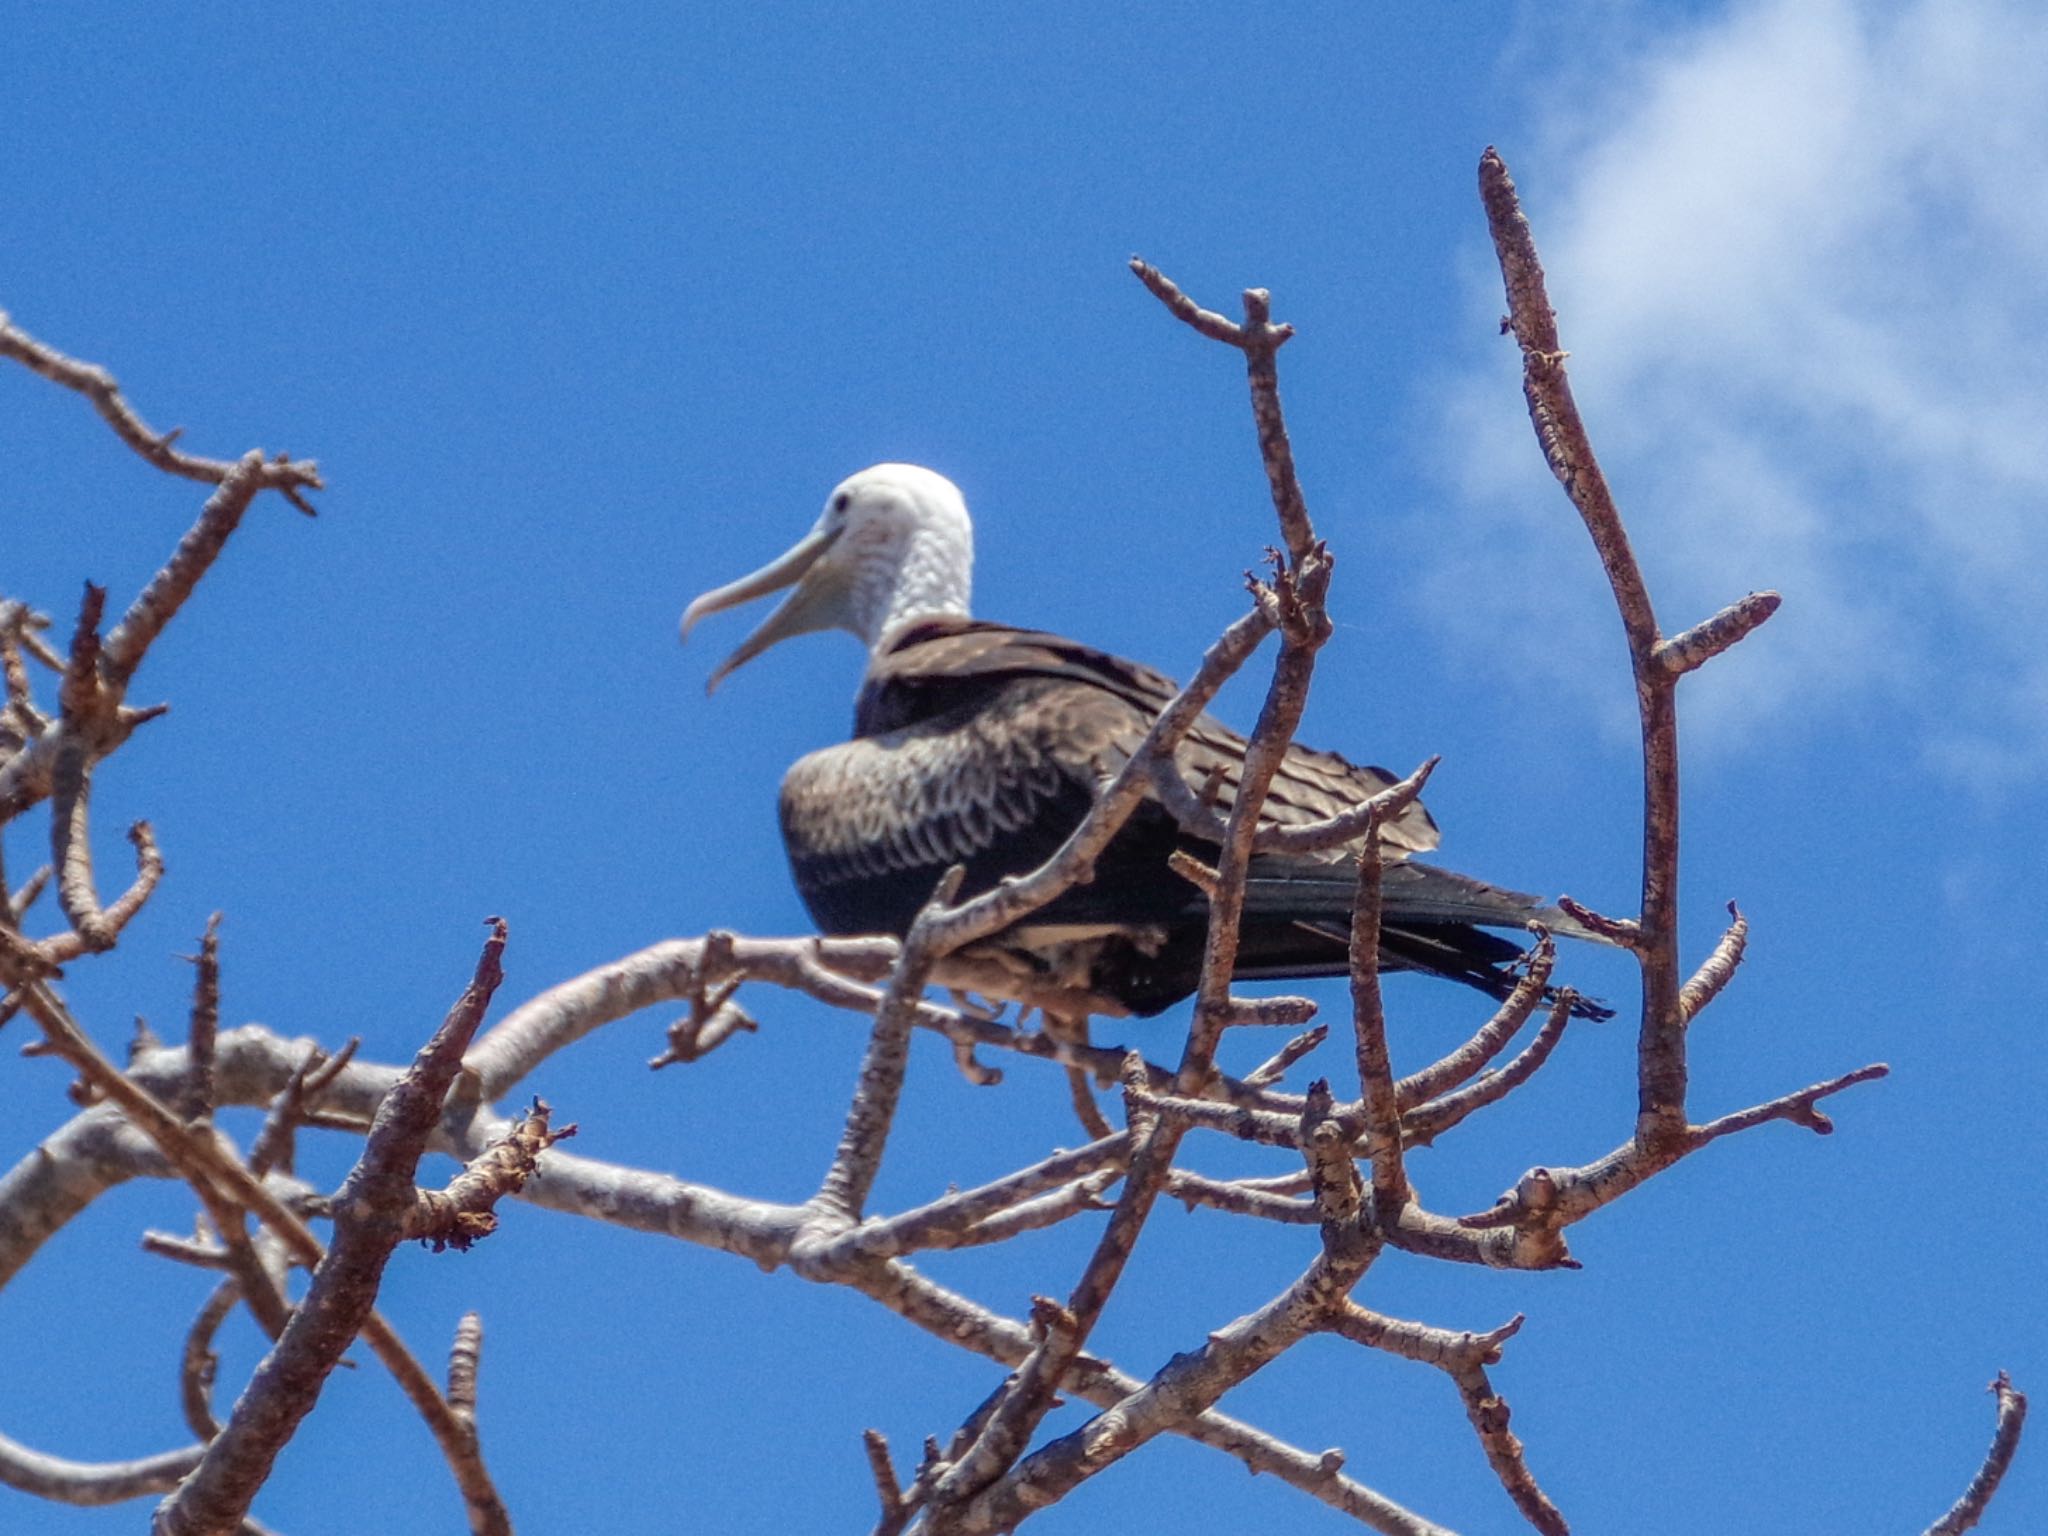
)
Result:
{"points": [[815, 604]]}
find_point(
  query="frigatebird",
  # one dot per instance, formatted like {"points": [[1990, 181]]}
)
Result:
{"points": [[984, 745]]}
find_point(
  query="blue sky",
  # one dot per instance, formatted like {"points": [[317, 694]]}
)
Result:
{"points": [[582, 317]]}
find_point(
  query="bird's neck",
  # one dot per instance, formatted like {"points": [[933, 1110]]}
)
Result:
{"points": [[929, 574]]}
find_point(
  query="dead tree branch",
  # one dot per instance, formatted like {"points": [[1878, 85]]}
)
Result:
{"points": [[98, 386], [372, 1216], [1964, 1514]]}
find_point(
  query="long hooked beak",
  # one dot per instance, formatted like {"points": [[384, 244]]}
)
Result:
{"points": [[798, 614]]}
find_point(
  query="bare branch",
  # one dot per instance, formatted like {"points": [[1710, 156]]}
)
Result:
{"points": [[167, 590], [295, 1105], [1661, 1067], [487, 1515], [1046, 1210], [1332, 1175], [1378, 1098], [254, 1066], [1241, 1197], [465, 1357], [195, 1251], [102, 927], [370, 1217], [98, 386], [2005, 1439], [937, 1224], [1441, 1076], [205, 1022], [888, 1492], [680, 970], [695, 1036], [466, 1211], [260, 1285], [1056, 1335], [1709, 638], [1190, 1383], [1625, 931], [1719, 968], [1259, 339], [1425, 1122], [1297, 595], [1195, 815], [1266, 1127], [1489, 1415], [95, 720], [1081, 1094], [1269, 1012], [1559, 430], [91, 1483], [821, 968], [843, 1194], [91, 727], [1544, 1200], [1798, 1108], [19, 903], [198, 1362], [1275, 1067], [1447, 1349], [1206, 321]]}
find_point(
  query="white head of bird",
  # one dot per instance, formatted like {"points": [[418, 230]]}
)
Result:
{"points": [[893, 544]]}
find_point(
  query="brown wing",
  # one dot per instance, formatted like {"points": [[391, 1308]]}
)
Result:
{"points": [[1091, 711]]}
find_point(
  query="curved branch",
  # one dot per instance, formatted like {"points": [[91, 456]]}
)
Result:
{"points": [[93, 1482], [2005, 1439]]}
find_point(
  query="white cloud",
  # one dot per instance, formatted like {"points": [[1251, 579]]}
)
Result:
{"points": [[1800, 256]]}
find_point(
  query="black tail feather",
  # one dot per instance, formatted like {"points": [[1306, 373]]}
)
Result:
{"points": [[1297, 924]]}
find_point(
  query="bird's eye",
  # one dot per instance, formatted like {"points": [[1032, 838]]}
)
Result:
{"points": [[842, 501]]}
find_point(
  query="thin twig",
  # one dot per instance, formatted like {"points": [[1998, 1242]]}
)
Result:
{"points": [[1798, 1108], [1195, 815], [487, 1515], [198, 1362], [1275, 1067], [1259, 339], [1488, 1412], [1710, 637], [1266, 1127], [1378, 1098], [1448, 1349], [2005, 1439], [98, 386], [1718, 969], [205, 1027], [1241, 1197], [843, 1194], [1443, 1075], [888, 1492], [465, 1359], [943, 1221], [1425, 1122]]}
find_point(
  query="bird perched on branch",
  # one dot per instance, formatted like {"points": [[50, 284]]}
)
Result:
{"points": [[984, 745]]}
